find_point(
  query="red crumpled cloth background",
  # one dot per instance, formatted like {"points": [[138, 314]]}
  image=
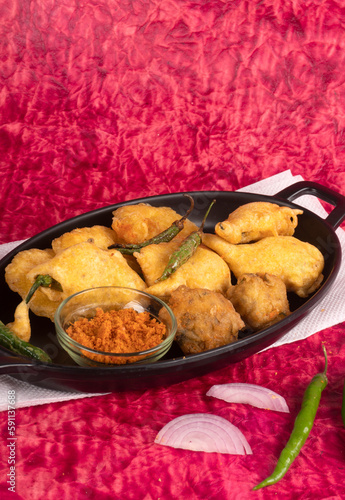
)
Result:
{"points": [[105, 101]]}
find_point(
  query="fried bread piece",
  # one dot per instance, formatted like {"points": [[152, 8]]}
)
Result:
{"points": [[102, 236], [135, 224], [254, 221], [297, 263], [205, 319], [203, 269], [261, 300]]}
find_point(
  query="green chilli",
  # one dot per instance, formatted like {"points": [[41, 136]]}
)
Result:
{"points": [[163, 237], [43, 280], [185, 251], [18, 346], [302, 427]]}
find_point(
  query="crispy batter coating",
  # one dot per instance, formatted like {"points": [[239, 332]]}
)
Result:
{"points": [[261, 300], [254, 221], [138, 223], [16, 278], [205, 319], [204, 269], [297, 263], [85, 266], [21, 324], [102, 236]]}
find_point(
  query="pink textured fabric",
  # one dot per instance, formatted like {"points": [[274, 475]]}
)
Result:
{"points": [[105, 101]]}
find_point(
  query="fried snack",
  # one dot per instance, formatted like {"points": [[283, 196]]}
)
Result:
{"points": [[102, 236], [135, 224], [204, 269], [254, 221], [205, 319], [260, 300], [85, 266], [297, 263], [16, 278], [21, 325]]}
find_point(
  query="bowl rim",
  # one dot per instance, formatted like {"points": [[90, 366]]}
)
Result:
{"points": [[61, 332]]}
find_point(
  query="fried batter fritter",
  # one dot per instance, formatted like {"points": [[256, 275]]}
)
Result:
{"points": [[135, 224], [204, 269], [205, 319], [297, 263], [261, 300], [16, 278], [85, 265], [102, 237], [254, 221]]}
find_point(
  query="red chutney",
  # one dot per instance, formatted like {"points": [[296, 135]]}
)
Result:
{"points": [[120, 331]]}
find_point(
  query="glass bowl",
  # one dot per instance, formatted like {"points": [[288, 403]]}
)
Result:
{"points": [[85, 304]]}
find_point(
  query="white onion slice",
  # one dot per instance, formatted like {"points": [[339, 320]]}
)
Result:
{"points": [[252, 394], [203, 432]]}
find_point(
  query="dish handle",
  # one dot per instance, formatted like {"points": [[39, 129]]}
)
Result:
{"points": [[337, 215]]}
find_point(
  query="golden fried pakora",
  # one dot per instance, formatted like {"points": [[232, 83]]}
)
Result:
{"points": [[205, 319], [203, 269], [254, 221], [299, 264], [101, 236], [16, 277], [135, 224], [260, 300], [83, 266]]}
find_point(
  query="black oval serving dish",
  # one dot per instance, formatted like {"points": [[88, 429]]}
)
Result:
{"points": [[64, 374]]}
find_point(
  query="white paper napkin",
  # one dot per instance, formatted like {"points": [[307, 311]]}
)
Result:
{"points": [[330, 311]]}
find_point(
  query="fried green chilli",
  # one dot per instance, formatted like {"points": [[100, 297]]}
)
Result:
{"points": [[185, 250], [18, 346]]}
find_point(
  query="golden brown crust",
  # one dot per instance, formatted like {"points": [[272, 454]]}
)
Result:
{"points": [[85, 266], [299, 264], [101, 236], [16, 277], [254, 221], [205, 269], [261, 300], [135, 224], [205, 319]]}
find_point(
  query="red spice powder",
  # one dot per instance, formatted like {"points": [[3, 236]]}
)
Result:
{"points": [[120, 331]]}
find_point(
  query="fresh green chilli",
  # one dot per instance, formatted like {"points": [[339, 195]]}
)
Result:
{"points": [[163, 237], [18, 346], [302, 427], [185, 251]]}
